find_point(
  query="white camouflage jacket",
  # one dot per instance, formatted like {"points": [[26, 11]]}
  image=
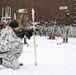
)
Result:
{"points": [[9, 41]]}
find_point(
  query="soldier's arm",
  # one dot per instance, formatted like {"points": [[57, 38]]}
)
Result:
{"points": [[71, 20]]}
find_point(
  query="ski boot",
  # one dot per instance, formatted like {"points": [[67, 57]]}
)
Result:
{"points": [[63, 41], [25, 41], [21, 64], [66, 40]]}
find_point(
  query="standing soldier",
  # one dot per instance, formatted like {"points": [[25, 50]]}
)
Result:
{"points": [[51, 34], [45, 32], [24, 22], [40, 31], [67, 21]]}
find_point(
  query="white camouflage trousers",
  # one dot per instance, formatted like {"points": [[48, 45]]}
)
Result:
{"points": [[10, 59]]}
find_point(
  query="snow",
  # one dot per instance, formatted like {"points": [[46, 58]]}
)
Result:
{"points": [[52, 59]]}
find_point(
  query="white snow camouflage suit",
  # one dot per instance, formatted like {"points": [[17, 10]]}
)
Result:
{"points": [[11, 48]]}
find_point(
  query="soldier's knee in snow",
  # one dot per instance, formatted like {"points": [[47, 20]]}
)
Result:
{"points": [[12, 64]]}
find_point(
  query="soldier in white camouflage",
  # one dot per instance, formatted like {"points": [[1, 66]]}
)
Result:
{"points": [[10, 46]]}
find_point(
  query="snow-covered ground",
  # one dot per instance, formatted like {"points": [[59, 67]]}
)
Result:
{"points": [[52, 59]]}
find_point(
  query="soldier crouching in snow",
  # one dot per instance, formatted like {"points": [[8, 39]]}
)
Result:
{"points": [[10, 46]]}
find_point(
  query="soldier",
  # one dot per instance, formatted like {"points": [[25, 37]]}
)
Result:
{"points": [[10, 46], [24, 22], [40, 31], [51, 34], [67, 21]]}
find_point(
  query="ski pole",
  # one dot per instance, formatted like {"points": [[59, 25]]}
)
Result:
{"points": [[33, 17]]}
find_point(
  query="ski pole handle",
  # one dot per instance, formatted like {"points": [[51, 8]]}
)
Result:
{"points": [[33, 16]]}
